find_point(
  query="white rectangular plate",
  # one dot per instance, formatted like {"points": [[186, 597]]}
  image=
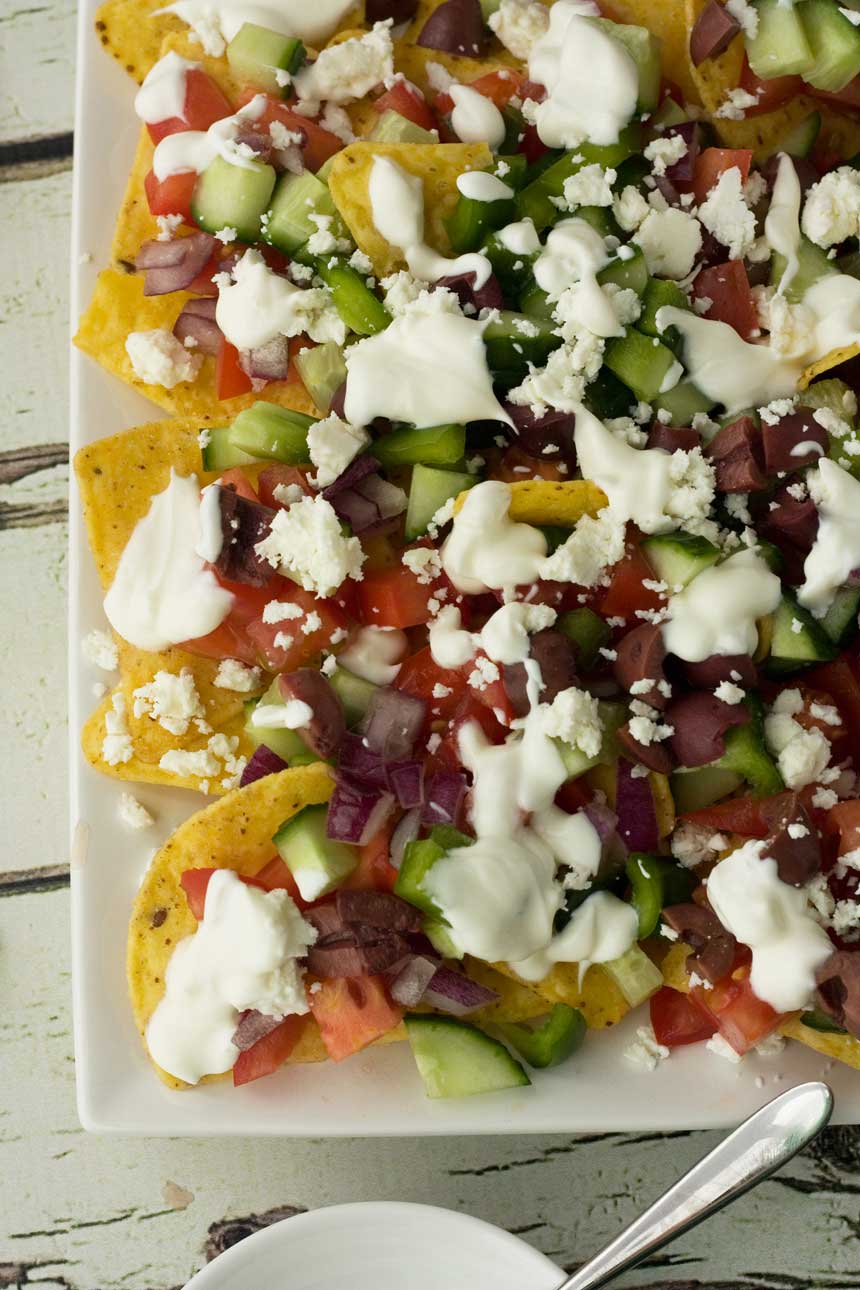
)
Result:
{"points": [[375, 1093]]}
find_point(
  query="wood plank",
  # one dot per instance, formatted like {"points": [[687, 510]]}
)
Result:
{"points": [[37, 51]]}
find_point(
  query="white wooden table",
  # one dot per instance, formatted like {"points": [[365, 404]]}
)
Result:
{"points": [[90, 1214]]}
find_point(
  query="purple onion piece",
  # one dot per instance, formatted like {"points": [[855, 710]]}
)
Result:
{"points": [[408, 986], [665, 186], [388, 499], [361, 763], [197, 323], [263, 762], [356, 812], [453, 992], [358, 512], [193, 254], [489, 296], [406, 831], [637, 815], [682, 171], [406, 780], [393, 722], [603, 818], [269, 362], [357, 470], [443, 797], [253, 1026]]}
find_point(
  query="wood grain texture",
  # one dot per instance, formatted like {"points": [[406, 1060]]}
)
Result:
{"points": [[79, 1213]]}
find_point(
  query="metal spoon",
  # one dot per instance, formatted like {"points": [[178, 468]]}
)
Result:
{"points": [[754, 1151]]}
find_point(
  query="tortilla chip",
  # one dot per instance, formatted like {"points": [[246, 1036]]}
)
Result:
{"points": [[842, 1048], [132, 35], [598, 998], [118, 306], [543, 501], [234, 833], [834, 359], [516, 1002], [674, 967], [437, 167]]}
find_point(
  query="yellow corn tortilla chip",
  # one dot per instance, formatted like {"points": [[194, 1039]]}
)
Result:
{"points": [[516, 1002], [544, 501], [598, 998], [842, 1048], [674, 967], [437, 168], [118, 306], [833, 359]]}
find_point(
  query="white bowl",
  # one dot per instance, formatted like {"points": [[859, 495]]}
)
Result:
{"points": [[380, 1246]]}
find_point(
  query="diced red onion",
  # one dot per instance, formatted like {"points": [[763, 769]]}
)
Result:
{"points": [[637, 815], [443, 797], [326, 728], [197, 323], [603, 818], [269, 362], [489, 296], [357, 470], [259, 141], [412, 980], [358, 512], [360, 762], [356, 812], [388, 499], [393, 722], [263, 762], [253, 1026], [681, 171], [453, 992], [406, 780], [665, 186], [192, 254], [406, 831]]}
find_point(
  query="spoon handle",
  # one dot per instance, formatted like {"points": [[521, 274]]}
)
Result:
{"points": [[755, 1150]]}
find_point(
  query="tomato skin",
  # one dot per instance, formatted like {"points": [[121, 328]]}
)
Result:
{"points": [[846, 99], [713, 162], [419, 674], [300, 647], [408, 102], [273, 476], [171, 196], [319, 144], [770, 94], [231, 640], [742, 1018], [267, 1054], [727, 287], [236, 478], [352, 1012], [500, 87], [275, 876], [626, 591], [394, 598], [531, 145], [677, 1019], [195, 883], [841, 680], [230, 377], [742, 815], [204, 105], [374, 872]]}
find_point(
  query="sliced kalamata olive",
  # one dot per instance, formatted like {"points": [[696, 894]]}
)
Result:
{"points": [[735, 453], [739, 669], [548, 437], [791, 524], [671, 438], [700, 721], [555, 654], [713, 947], [639, 657], [713, 32], [795, 442], [682, 171], [378, 909], [489, 296], [243, 524], [397, 10], [838, 990], [657, 756], [456, 27], [793, 841], [325, 731]]}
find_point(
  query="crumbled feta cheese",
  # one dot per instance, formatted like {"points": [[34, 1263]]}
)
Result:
{"points": [[167, 226], [746, 14], [227, 234], [347, 71], [728, 692], [233, 675], [671, 240], [645, 1052], [595, 545], [171, 699], [736, 105], [116, 745], [630, 208], [332, 445], [802, 755], [100, 649], [518, 24], [668, 933], [590, 186], [361, 263], [158, 358], [573, 717], [133, 813], [323, 241], [691, 844], [665, 151], [286, 494], [206, 763], [425, 562], [305, 542], [824, 799], [561, 384], [716, 1044], [831, 212], [725, 214], [278, 611]]}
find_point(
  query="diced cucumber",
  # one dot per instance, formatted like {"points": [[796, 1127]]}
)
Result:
{"points": [[588, 632], [427, 446], [682, 403], [354, 693], [780, 47], [512, 341], [798, 639], [659, 292], [323, 372], [635, 975], [325, 169], [677, 558], [228, 196], [607, 397], [288, 744], [218, 453], [576, 762], [798, 142], [835, 45], [692, 790], [812, 264], [514, 271], [512, 168], [391, 127], [439, 936], [471, 222], [316, 862], [256, 54], [600, 218], [833, 394], [362, 311], [429, 490], [535, 199], [455, 1059], [534, 301], [273, 433], [668, 113], [419, 858], [746, 755], [295, 199], [632, 273], [644, 49], [840, 621], [642, 362]]}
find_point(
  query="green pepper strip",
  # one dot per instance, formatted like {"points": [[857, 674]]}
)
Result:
{"points": [[656, 882], [552, 1041]]}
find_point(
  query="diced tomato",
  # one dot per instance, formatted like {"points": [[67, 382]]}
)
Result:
{"points": [[844, 818], [713, 162], [531, 145], [472, 708], [742, 1018], [171, 196], [626, 591], [297, 647], [493, 696], [742, 815], [728, 289], [236, 478], [500, 87], [769, 94], [408, 101], [419, 676], [319, 144], [394, 598], [374, 871], [203, 284], [841, 680], [271, 477], [846, 99], [817, 705], [351, 1012], [267, 1054], [195, 883], [230, 378], [573, 795], [231, 640], [677, 1019], [275, 876], [204, 105]]}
